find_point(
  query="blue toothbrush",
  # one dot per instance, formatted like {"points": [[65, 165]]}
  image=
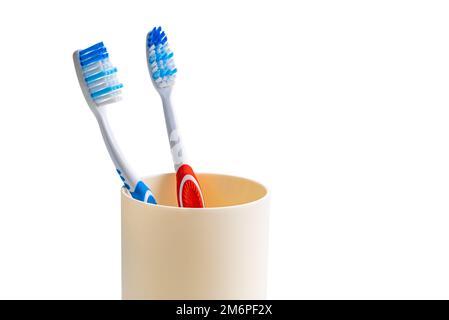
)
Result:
{"points": [[98, 81]]}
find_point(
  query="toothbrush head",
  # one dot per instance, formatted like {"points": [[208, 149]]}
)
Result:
{"points": [[97, 76], [160, 59]]}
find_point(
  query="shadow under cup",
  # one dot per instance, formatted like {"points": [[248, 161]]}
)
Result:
{"points": [[217, 252]]}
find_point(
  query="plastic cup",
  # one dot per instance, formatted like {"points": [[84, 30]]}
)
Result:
{"points": [[217, 252]]}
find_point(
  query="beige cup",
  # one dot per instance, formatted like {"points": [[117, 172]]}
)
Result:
{"points": [[218, 252]]}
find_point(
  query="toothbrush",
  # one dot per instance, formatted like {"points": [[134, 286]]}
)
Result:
{"points": [[163, 72], [98, 81]]}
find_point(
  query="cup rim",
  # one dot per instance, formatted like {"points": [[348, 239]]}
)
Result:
{"points": [[125, 193]]}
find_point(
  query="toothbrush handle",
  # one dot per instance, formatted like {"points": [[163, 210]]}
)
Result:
{"points": [[143, 193], [174, 138], [140, 190], [188, 188]]}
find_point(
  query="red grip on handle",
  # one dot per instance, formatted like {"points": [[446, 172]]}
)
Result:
{"points": [[188, 188]]}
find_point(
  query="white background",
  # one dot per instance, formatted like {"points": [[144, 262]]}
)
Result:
{"points": [[339, 107]]}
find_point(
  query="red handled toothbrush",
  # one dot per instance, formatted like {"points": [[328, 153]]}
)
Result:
{"points": [[163, 72]]}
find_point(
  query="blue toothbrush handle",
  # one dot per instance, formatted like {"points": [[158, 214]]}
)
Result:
{"points": [[141, 191]]}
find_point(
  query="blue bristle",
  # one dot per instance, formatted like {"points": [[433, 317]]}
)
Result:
{"points": [[104, 91], [93, 53], [91, 48], [93, 59], [156, 75], [156, 36], [99, 73], [160, 57]]}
